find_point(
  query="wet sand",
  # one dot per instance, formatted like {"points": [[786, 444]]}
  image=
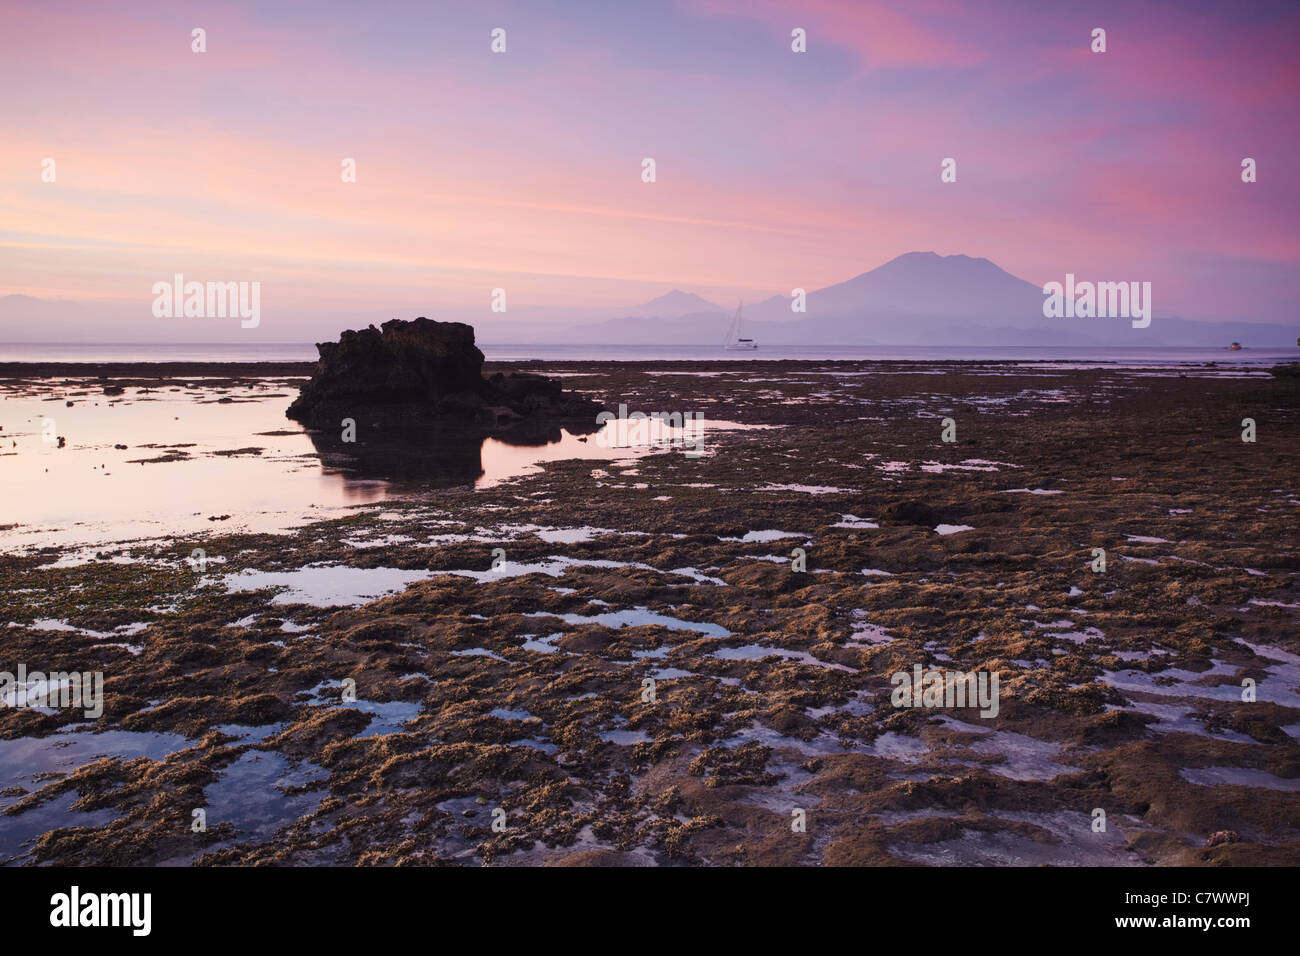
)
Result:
{"points": [[523, 688]]}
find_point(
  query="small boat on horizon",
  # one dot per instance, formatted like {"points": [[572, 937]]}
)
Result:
{"points": [[738, 343], [1234, 347]]}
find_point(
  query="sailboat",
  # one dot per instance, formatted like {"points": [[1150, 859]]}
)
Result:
{"points": [[735, 342]]}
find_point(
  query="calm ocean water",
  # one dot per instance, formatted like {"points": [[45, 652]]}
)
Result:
{"points": [[614, 353]]}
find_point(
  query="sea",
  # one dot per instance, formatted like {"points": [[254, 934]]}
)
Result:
{"points": [[304, 352]]}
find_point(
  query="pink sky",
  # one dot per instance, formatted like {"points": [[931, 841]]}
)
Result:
{"points": [[522, 170]]}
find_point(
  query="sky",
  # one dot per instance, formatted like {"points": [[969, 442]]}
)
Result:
{"points": [[522, 170]]}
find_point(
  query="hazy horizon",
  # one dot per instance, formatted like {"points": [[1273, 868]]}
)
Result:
{"points": [[905, 302]]}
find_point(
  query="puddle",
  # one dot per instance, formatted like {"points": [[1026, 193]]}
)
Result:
{"points": [[1080, 637], [327, 585], [895, 746], [1175, 718], [820, 745], [571, 535], [859, 706], [544, 645], [637, 617], [23, 758], [533, 744], [555, 566], [866, 633], [251, 795], [507, 714], [752, 537], [853, 521], [805, 489], [670, 673], [252, 733], [479, 652], [1024, 757], [625, 738], [389, 717], [1075, 844], [1278, 688], [1239, 777], [938, 468], [756, 652], [616, 441]]}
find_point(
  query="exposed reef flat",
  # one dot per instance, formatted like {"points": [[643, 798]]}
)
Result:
{"points": [[522, 687]]}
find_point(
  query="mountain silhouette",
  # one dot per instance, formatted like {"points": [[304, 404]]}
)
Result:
{"points": [[673, 304], [922, 298]]}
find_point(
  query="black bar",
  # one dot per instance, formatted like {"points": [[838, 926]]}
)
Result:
{"points": [[335, 906]]}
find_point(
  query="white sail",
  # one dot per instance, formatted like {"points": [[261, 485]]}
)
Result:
{"points": [[735, 340]]}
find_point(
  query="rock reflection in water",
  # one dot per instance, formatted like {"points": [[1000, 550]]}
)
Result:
{"points": [[447, 456]]}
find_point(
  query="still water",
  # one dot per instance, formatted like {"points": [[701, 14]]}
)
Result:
{"points": [[183, 461]]}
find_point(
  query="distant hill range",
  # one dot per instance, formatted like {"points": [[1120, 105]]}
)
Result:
{"points": [[916, 299], [920, 298]]}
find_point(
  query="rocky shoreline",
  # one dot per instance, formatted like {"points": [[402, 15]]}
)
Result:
{"points": [[522, 687]]}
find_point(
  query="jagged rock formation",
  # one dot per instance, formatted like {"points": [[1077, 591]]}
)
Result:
{"points": [[408, 374]]}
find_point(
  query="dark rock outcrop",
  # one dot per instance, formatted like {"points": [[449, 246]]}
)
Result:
{"points": [[411, 374]]}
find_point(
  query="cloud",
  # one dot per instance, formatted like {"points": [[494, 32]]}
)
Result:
{"points": [[880, 35]]}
